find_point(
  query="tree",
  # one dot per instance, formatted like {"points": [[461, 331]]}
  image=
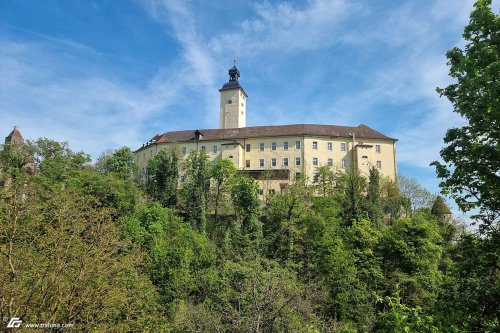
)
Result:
{"points": [[324, 179], [391, 199], [415, 196], [16, 157], [196, 187], [255, 295], [470, 172], [469, 295], [222, 174], [373, 198], [56, 162], [410, 250], [351, 186], [120, 161], [246, 206], [62, 259], [162, 176], [177, 256]]}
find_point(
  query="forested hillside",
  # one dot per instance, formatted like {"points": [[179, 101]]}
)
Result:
{"points": [[87, 245]]}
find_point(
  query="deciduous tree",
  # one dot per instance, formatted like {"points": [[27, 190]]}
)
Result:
{"points": [[196, 187], [162, 176], [470, 172]]}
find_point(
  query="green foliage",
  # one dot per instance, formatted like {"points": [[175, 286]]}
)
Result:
{"points": [[392, 201], [121, 162], [162, 176], [411, 252], [285, 218], [177, 255], [415, 196], [324, 179], [56, 162], [84, 245], [399, 317], [61, 257], [222, 174], [351, 186], [373, 197], [363, 239], [196, 188], [472, 155], [252, 296], [15, 157], [114, 191], [246, 207], [470, 292]]}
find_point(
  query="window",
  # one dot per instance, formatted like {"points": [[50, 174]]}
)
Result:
{"points": [[261, 191], [343, 146], [272, 191], [377, 149], [261, 147], [203, 148], [247, 148], [261, 162], [297, 160], [315, 161], [344, 163], [315, 144], [247, 163], [214, 149], [379, 164], [330, 146], [330, 162], [285, 161], [273, 162], [273, 145], [184, 150], [297, 144], [285, 145]]}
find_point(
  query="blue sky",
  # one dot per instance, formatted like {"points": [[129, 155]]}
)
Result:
{"points": [[105, 74]]}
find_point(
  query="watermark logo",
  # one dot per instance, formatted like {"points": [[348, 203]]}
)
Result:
{"points": [[14, 322]]}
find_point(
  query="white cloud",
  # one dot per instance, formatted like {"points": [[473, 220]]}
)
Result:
{"points": [[198, 64], [284, 27], [90, 112]]}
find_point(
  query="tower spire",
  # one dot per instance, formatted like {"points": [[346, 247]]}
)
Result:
{"points": [[233, 101]]}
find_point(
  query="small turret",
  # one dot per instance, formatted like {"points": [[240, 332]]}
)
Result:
{"points": [[14, 136], [441, 210]]}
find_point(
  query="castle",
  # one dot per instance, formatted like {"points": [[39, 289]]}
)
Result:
{"points": [[277, 153]]}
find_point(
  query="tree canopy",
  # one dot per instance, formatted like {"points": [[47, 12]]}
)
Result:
{"points": [[470, 172]]}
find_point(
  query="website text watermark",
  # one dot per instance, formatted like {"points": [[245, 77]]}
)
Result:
{"points": [[15, 322]]}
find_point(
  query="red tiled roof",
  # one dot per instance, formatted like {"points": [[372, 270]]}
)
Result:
{"points": [[361, 132]]}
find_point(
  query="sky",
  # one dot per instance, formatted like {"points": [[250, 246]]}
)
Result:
{"points": [[107, 74]]}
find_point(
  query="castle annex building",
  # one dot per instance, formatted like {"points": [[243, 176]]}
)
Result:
{"points": [[276, 154]]}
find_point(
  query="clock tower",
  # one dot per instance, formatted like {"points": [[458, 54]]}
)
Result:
{"points": [[233, 102]]}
